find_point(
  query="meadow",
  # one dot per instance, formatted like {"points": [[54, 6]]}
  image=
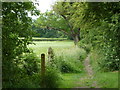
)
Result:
{"points": [[40, 47], [69, 60]]}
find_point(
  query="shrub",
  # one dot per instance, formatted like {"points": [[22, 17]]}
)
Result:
{"points": [[52, 78], [29, 63], [26, 72], [67, 67], [109, 61], [70, 61], [86, 47]]}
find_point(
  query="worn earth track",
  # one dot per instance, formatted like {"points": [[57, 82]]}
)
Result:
{"points": [[88, 80]]}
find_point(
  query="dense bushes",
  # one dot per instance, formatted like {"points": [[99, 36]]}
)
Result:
{"points": [[86, 47], [52, 77], [27, 73], [26, 70], [15, 24], [103, 36], [71, 60]]}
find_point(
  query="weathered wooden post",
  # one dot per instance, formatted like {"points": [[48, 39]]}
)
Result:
{"points": [[43, 70], [50, 55]]}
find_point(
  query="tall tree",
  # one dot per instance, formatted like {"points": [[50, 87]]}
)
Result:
{"points": [[63, 18], [15, 23], [104, 34]]}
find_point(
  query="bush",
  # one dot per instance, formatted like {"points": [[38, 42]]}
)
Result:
{"points": [[109, 61], [71, 62], [28, 62], [52, 78], [104, 60], [86, 47], [25, 72], [67, 67]]}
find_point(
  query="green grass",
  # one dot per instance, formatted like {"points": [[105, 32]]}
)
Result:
{"points": [[48, 39], [66, 54], [66, 51], [107, 79], [42, 46], [70, 80], [104, 79]]}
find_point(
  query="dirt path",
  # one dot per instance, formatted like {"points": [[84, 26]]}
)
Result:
{"points": [[88, 67], [88, 80]]}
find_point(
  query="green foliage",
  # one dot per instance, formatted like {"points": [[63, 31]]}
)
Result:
{"points": [[15, 24], [71, 63], [52, 77], [47, 33], [61, 19], [29, 63], [103, 33], [108, 43], [26, 70], [86, 47], [104, 79]]}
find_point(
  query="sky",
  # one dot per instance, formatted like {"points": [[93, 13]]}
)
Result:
{"points": [[44, 5]]}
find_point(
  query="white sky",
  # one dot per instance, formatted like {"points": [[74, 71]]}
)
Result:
{"points": [[44, 5]]}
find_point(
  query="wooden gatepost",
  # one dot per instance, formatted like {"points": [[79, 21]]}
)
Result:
{"points": [[50, 56], [50, 61], [43, 70]]}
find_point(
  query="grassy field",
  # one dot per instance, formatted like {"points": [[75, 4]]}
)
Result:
{"points": [[48, 39], [104, 79], [71, 80], [71, 55], [107, 79], [42, 46], [68, 55]]}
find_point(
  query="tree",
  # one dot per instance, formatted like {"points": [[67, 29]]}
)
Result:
{"points": [[62, 18], [16, 23], [104, 35]]}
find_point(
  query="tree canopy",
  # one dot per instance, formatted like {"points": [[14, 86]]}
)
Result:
{"points": [[94, 23], [15, 24]]}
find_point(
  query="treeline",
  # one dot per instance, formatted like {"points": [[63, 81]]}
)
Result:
{"points": [[47, 33], [95, 25]]}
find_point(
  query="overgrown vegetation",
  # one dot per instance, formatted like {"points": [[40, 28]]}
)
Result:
{"points": [[71, 60], [52, 77], [94, 27], [105, 79], [15, 24], [68, 59], [26, 70]]}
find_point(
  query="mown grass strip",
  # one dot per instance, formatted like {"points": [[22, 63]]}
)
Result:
{"points": [[49, 39]]}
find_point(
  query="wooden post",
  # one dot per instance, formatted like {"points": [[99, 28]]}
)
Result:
{"points": [[50, 55], [42, 70]]}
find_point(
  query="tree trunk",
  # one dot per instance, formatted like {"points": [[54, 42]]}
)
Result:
{"points": [[76, 39], [76, 36]]}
